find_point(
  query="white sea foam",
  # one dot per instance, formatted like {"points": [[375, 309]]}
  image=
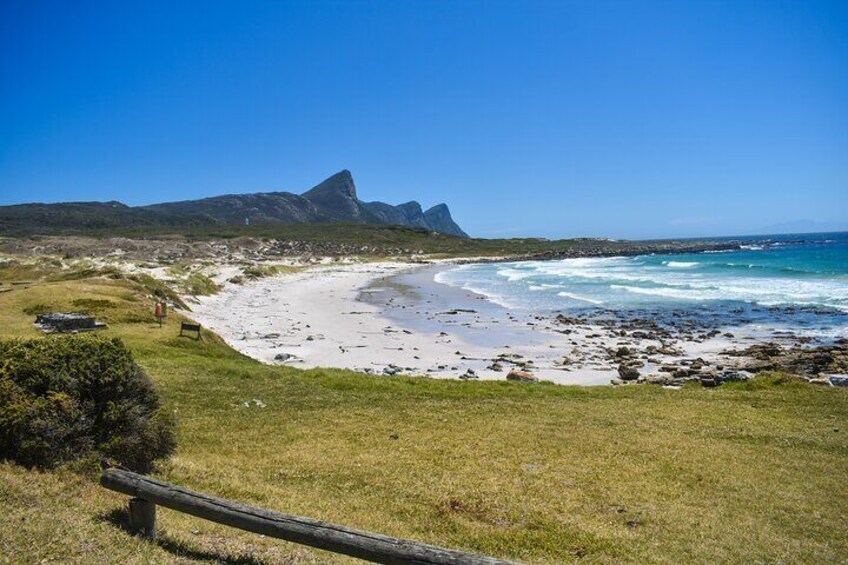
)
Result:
{"points": [[627, 282], [573, 296], [667, 292], [490, 296], [543, 286]]}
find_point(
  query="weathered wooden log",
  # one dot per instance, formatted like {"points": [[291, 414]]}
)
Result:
{"points": [[143, 517], [369, 546]]}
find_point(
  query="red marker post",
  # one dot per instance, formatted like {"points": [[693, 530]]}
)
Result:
{"points": [[160, 312]]}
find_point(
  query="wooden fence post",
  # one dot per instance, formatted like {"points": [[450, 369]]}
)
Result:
{"points": [[143, 518]]}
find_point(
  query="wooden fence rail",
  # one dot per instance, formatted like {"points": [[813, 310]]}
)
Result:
{"points": [[369, 546]]}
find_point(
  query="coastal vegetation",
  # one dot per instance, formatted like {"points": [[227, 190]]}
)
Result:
{"points": [[169, 245], [748, 472], [62, 399]]}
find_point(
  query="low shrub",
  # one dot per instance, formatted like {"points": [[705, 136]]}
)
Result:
{"points": [[66, 397], [156, 289], [254, 272], [197, 284]]}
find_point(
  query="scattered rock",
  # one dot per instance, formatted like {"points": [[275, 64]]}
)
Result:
{"points": [[521, 376], [628, 373], [469, 374], [283, 357]]}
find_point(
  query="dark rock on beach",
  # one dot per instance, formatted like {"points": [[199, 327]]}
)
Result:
{"points": [[627, 373]]}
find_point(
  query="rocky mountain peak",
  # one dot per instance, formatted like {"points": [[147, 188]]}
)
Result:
{"points": [[439, 219], [340, 184]]}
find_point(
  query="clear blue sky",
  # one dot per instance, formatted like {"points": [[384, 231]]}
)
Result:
{"points": [[621, 119]]}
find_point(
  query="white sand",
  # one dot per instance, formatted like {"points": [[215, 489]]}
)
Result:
{"points": [[319, 317]]}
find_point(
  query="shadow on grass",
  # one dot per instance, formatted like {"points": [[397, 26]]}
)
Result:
{"points": [[119, 518]]}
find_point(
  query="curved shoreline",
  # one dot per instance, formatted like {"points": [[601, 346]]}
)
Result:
{"points": [[393, 318]]}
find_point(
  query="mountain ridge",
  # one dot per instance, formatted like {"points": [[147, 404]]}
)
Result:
{"points": [[333, 200]]}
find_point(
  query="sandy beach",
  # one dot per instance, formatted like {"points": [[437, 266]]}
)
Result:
{"points": [[393, 318]]}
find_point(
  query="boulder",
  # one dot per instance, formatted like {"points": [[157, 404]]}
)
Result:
{"points": [[521, 376], [628, 373], [469, 374], [283, 357], [658, 379], [733, 376]]}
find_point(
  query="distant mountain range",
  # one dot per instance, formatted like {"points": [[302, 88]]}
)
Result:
{"points": [[332, 201]]}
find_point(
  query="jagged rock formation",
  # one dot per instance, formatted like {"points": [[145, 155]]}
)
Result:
{"points": [[333, 200]]}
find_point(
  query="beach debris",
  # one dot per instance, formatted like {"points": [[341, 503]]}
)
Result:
{"points": [[521, 376], [392, 370], [67, 322], [469, 374]]}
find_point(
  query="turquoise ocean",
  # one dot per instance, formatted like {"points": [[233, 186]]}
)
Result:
{"points": [[796, 282]]}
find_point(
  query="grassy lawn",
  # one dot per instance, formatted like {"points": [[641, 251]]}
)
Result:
{"points": [[752, 473]]}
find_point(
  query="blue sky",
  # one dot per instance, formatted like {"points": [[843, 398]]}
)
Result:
{"points": [[620, 119]]}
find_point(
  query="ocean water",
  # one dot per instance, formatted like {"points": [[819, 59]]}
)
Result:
{"points": [[796, 282]]}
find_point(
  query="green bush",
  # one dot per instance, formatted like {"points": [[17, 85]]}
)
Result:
{"points": [[66, 397]]}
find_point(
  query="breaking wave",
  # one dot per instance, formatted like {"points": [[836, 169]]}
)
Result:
{"points": [[811, 273]]}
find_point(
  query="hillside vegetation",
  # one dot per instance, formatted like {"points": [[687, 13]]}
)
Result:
{"points": [[270, 241], [542, 474]]}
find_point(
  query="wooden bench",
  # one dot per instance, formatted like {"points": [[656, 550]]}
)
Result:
{"points": [[189, 327], [370, 546]]}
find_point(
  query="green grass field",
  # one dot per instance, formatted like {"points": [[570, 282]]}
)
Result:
{"points": [[751, 473]]}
